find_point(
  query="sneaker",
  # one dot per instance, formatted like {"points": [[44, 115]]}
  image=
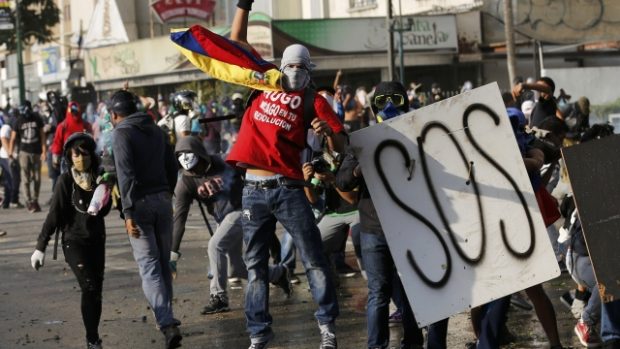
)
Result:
{"points": [[234, 280], [292, 277], [567, 299], [587, 335], [217, 304], [29, 206], [328, 336], [173, 336], [346, 271], [284, 283], [518, 301], [396, 317], [35, 206], [95, 345], [16, 205], [264, 344]]}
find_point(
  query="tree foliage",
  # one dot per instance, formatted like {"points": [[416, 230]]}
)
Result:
{"points": [[38, 17]]}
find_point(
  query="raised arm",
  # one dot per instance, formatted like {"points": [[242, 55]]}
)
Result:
{"points": [[239, 29]]}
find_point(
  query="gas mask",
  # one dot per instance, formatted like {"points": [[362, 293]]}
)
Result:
{"points": [[294, 78], [389, 111], [188, 160]]}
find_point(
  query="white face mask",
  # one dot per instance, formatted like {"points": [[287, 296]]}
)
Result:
{"points": [[188, 160], [294, 79]]}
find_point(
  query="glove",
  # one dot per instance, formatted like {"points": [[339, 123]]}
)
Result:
{"points": [[55, 161], [245, 4], [37, 259], [174, 257]]}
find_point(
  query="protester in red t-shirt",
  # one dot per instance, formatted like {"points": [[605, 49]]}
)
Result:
{"points": [[269, 146], [72, 123]]}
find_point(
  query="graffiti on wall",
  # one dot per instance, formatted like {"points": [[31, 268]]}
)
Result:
{"points": [[563, 21]]}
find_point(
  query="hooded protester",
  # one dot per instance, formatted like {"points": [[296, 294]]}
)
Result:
{"points": [[210, 180], [271, 139], [28, 133], [83, 235], [72, 123], [147, 174], [389, 101]]}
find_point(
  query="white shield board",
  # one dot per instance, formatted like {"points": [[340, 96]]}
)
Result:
{"points": [[456, 204]]}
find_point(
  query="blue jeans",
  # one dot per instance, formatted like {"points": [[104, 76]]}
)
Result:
{"points": [[288, 255], [287, 252], [7, 182], [381, 273], [261, 209], [151, 250], [610, 321]]}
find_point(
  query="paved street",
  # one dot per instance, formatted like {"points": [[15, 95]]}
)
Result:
{"points": [[41, 309]]}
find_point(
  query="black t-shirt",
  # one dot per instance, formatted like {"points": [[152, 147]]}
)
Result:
{"points": [[28, 130], [543, 109], [334, 203]]}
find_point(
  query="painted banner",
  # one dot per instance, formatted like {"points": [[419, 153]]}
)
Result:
{"points": [[178, 10], [5, 15], [456, 204], [50, 60], [132, 59], [591, 167]]}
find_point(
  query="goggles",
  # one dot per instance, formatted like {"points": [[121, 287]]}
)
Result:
{"points": [[382, 100]]}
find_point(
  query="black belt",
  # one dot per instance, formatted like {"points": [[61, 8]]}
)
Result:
{"points": [[275, 183]]}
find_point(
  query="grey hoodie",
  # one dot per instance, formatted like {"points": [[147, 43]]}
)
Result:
{"points": [[144, 160], [186, 190]]}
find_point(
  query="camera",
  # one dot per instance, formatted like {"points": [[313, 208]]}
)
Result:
{"points": [[320, 165]]}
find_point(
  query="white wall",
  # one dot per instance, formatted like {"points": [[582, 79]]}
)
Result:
{"points": [[599, 84]]}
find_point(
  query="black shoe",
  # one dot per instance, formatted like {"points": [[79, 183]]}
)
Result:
{"points": [[567, 299], [346, 271], [217, 304], [96, 345], [173, 336], [284, 282]]}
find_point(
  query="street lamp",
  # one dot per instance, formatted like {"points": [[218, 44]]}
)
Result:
{"points": [[400, 27], [20, 61]]}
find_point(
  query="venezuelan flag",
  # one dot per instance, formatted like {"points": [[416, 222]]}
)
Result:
{"points": [[226, 60]]}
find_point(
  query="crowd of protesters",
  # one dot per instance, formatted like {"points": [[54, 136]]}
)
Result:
{"points": [[132, 154]]}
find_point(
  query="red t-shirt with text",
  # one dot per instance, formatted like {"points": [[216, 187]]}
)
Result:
{"points": [[273, 134]]}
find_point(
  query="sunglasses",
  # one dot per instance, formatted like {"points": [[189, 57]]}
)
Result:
{"points": [[382, 100]]}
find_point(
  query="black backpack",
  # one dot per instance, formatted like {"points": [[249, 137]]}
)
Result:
{"points": [[574, 120]]}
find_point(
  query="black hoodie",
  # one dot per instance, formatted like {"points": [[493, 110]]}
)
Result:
{"points": [[144, 160]]}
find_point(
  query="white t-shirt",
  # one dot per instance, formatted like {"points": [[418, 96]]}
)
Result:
{"points": [[5, 132], [181, 123]]}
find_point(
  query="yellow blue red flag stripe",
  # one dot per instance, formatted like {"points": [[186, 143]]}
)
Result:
{"points": [[226, 60]]}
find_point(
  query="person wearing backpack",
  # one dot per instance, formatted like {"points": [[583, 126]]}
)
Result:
{"points": [[83, 235], [269, 146], [577, 119]]}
